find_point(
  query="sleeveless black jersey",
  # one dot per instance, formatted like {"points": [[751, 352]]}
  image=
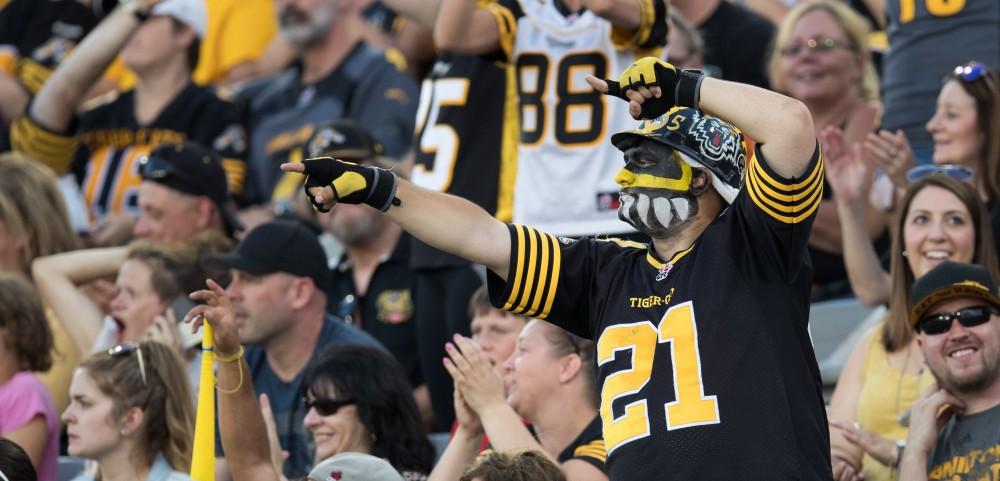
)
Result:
{"points": [[705, 364], [466, 139], [587, 447], [104, 145]]}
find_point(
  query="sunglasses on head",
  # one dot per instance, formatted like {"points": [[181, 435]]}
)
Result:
{"points": [[973, 71], [822, 44], [969, 317], [957, 172], [126, 349], [326, 407], [155, 168]]}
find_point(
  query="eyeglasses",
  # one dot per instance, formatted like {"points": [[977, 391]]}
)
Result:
{"points": [[968, 317], [126, 349], [822, 44], [326, 407], [958, 172], [155, 168]]}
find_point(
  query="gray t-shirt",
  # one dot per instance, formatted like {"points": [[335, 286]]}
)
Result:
{"points": [[968, 448], [928, 39]]}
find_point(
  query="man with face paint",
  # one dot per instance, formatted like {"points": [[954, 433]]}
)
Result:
{"points": [[705, 366]]}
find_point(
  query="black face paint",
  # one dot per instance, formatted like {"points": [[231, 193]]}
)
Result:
{"points": [[656, 195]]}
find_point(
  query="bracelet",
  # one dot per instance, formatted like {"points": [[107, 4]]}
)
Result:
{"points": [[688, 90], [230, 358], [238, 386]]}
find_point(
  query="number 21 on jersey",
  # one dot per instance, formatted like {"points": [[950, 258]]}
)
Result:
{"points": [[690, 407]]}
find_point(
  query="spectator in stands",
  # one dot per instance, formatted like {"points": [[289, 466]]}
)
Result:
{"points": [[373, 285], [183, 192], [494, 330], [928, 38], [550, 382], [27, 414], [736, 39], [34, 223], [941, 219], [133, 412], [279, 295], [236, 35], [514, 466], [820, 57], [356, 399], [102, 145], [15, 465], [685, 47], [338, 76], [149, 277], [953, 430]]}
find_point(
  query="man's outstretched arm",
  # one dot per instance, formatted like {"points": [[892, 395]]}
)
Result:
{"points": [[444, 221]]}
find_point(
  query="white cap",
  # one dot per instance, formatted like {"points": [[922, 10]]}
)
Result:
{"points": [[354, 467], [189, 12]]}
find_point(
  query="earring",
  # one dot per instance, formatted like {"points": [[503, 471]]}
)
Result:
{"points": [[905, 254]]}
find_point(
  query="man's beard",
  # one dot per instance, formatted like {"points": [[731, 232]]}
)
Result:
{"points": [[658, 213], [304, 31], [971, 383]]}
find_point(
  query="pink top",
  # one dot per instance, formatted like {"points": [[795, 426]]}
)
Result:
{"points": [[22, 399]]}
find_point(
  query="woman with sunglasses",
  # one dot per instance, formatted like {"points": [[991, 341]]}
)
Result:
{"points": [[131, 410], [941, 218], [149, 278], [549, 382], [357, 399], [820, 57]]}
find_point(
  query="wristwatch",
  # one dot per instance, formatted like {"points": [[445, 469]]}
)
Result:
{"points": [[900, 445]]}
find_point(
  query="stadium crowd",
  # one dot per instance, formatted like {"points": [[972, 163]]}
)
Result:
{"points": [[155, 179]]}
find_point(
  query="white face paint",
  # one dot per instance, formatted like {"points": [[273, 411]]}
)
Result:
{"points": [[655, 212]]}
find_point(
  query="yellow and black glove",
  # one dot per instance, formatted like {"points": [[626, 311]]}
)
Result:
{"points": [[677, 88], [352, 183]]}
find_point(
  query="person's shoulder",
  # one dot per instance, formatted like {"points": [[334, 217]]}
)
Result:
{"points": [[26, 388], [336, 330]]}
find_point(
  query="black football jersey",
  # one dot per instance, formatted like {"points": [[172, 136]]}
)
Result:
{"points": [[466, 139], [587, 447], [705, 364]]}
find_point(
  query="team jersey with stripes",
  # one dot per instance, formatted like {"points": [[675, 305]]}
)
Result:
{"points": [[587, 447], [566, 166], [105, 144], [705, 365]]}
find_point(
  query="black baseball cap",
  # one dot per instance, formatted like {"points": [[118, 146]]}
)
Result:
{"points": [[281, 246], [343, 139], [192, 169], [949, 280]]}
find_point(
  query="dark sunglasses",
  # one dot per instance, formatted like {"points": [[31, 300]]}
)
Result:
{"points": [[326, 407], [958, 172], [126, 349], [968, 317], [155, 168], [823, 44]]}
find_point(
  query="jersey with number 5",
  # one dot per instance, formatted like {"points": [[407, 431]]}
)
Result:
{"points": [[566, 166], [705, 365]]}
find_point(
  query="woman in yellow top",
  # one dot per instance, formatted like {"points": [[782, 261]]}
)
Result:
{"points": [[941, 219]]}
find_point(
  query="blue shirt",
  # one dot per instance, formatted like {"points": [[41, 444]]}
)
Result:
{"points": [[159, 471], [286, 397]]}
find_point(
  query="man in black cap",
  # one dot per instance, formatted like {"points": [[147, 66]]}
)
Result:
{"points": [[183, 192], [955, 430]]}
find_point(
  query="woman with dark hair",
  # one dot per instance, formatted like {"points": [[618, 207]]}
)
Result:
{"points": [[27, 413], [14, 463], [358, 400]]}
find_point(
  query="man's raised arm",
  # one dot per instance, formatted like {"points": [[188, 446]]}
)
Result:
{"points": [[444, 221]]}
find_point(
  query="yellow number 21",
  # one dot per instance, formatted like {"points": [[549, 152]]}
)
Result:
{"points": [[691, 407]]}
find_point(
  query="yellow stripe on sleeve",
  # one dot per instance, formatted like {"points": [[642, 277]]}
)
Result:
{"points": [[625, 39], [786, 202], [544, 246], [515, 290], [811, 178], [529, 278], [236, 173], [506, 27], [54, 150], [553, 276]]}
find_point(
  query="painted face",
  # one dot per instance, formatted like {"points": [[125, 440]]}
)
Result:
{"points": [[496, 332], [656, 195], [826, 72], [530, 372], [338, 432], [135, 305], [89, 422], [937, 228], [963, 359], [955, 129]]}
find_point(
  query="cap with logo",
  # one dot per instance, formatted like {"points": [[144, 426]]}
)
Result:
{"points": [[192, 169], [354, 467], [949, 280], [281, 246], [192, 13], [344, 139]]}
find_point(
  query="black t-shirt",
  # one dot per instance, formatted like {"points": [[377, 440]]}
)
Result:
{"points": [[736, 43], [588, 446], [705, 363], [386, 310]]}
